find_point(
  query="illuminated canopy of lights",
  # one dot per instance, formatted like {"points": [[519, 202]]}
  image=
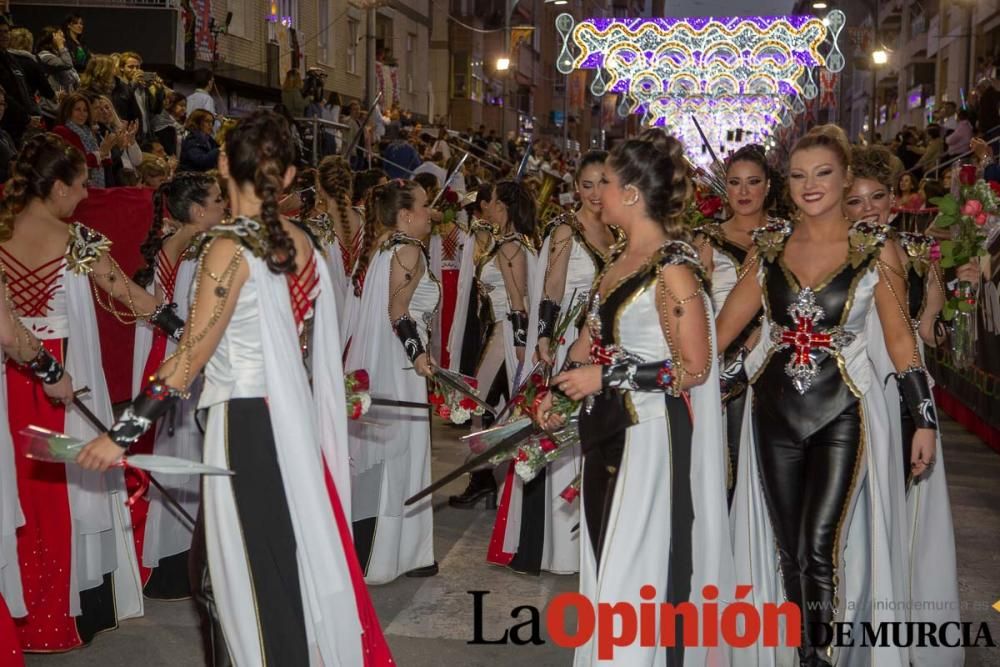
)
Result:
{"points": [[725, 131], [768, 108], [741, 76], [745, 55]]}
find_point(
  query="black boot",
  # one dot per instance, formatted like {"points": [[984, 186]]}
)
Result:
{"points": [[426, 571], [481, 485]]}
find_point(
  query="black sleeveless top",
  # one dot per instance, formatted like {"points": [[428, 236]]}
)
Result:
{"points": [[801, 383]]}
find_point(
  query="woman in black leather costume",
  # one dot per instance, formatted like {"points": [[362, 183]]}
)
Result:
{"points": [[819, 424]]}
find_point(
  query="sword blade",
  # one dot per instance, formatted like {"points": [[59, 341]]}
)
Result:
{"points": [[451, 177], [391, 403], [474, 462]]}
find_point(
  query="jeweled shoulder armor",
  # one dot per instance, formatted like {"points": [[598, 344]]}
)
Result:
{"points": [[249, 233], [85, 248]]}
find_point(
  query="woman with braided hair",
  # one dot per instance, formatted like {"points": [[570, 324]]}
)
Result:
{"points": [[286, 583], [654, 526], [392, 461], [723, 249], [337, 225], [819, 511], [184, 209], [74, 583]]}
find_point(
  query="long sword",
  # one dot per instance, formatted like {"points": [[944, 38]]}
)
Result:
{"points": [[361, 129], [455, 172], [475, 461]]}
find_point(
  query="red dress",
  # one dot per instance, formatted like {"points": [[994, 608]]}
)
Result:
{"points": [[45, 541]]}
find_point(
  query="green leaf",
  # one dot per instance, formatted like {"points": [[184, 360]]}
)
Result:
{"points": [[948, 312], [947, 261], [944, 221], [966, 307], [947, 204]]}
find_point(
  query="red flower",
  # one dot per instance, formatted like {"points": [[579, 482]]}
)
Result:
{"points": [[995, 187], [710, 206], [967, 174], [570, 493], [356, 410], [521, 455], [467, 404], [435, 399], [972, 208], [444, 412], [537, 381], [518, 400], [547, 445], [981, 219], [361, 380], [450, 196]]}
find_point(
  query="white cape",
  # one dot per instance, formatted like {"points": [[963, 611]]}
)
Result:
{"points": [[168, 534], [309, 430]]}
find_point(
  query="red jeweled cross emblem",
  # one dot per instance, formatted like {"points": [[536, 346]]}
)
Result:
{"points": [[805, 339]]}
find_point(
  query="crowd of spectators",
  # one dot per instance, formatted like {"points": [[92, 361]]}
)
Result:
{"points": [[955, 135]]}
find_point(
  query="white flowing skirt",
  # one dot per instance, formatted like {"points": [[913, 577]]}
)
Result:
{"points": [[637, 540]]}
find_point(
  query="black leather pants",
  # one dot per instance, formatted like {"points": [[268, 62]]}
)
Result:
{"points": [[808, 485]]}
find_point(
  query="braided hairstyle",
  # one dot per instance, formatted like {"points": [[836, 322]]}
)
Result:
{"points": [[381, 209], [654, 164], [336, 179], [173, 198], [42, 160], [260, 151]]}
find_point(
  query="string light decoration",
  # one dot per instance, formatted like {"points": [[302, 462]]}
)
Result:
{"points": [[741, 76], [744, 55]]}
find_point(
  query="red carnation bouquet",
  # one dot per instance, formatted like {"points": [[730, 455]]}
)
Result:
{"points": [[451, 405], [359, 401]]}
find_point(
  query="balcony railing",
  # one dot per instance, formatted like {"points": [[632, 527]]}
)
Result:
{"points": [[144, 4]]}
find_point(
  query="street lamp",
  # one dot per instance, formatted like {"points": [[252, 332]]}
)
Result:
{"points": [[879, 58]]}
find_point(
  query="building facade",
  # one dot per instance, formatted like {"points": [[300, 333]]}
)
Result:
{"points": [[937, 50]]}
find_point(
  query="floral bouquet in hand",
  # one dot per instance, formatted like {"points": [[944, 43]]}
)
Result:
{"points": [[449, 404], [356, 386], [971, 217]]}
